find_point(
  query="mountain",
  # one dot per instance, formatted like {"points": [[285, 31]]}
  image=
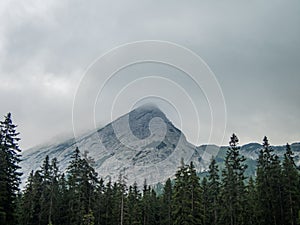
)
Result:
{"points": [[143, 144]]}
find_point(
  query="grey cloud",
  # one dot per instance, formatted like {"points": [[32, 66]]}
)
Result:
{"points": [[252, 47]]}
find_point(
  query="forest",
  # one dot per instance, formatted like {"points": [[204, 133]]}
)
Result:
{"points": [[78, 196]]}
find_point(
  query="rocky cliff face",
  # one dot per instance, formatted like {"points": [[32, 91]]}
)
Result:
{"points": [[142, 144]]}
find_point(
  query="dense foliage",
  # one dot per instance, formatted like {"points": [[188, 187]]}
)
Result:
{"points": [[78, 196], [9, 170]]}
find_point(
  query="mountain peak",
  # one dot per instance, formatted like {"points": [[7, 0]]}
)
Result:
{"points": [[148, 108]]}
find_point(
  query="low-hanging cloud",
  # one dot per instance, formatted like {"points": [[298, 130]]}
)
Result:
{"points": [[252, 47]]}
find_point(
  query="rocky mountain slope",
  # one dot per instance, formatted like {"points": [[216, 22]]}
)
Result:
{"points": [[142, 144]]}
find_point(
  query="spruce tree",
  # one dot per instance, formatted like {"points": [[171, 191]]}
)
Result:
{"points": [[195, 194], [50, 191], [290, 187], [30, 203], [147, 212], [233, 187], [166, 210], [134, 205], [181, 202], [251, 213], [108, 204], [186, 196], [62, 201], [98, 206], [9, 170], [46, 198], [82, 180], [269, 186], [213, 207], [206, 203]]}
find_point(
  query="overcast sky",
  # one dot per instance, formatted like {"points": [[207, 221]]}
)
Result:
{"points": [[253, 48]]}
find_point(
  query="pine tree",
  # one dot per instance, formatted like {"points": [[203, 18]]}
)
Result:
{"points": [[181, 206], [269, 186], [277, 190], [154, 219], [251, 213], [9, 170], [186, 196], [166, 209], [290, 187], [82, 180], [108, 204], [233, 187], [30, 203], [120, 198], [195, 194], [146, 204], [99, 205], [62, 201], [134, 205], [206, 203], [50, 191], [46, 198], [213, 206]]}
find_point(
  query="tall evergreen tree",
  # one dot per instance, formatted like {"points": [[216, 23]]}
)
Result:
{"points": [[251, 213], [186, 196], [181, 202], [120, 194], [61, 212], [206, 203], [269, 186], [108, 204], [195, 194], [166, 210], [9, 170], [50, 191], [134, 205], [82, 180], [147, 211], [98, 206], [30, 202], [213, 207], [46, 198], [233, 187], [291, 187]]}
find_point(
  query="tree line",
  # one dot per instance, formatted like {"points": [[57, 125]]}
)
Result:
{"points": [[78, 196]]}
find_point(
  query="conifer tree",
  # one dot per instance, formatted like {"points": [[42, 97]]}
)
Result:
{"points": [[195, 194], [134, 205], [186, 196], [107, 203], [181, 202], [118, 204], [277, 190], [62, 201], [233, 187], [50, 191], [251, 215], [30, 202], [46, 198], [206, 203], [9, 170], [120, 198], [166, 209], [269, 186], [82, 180], [291, 187], [99, 206], [213, 206], [146, 204]]}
